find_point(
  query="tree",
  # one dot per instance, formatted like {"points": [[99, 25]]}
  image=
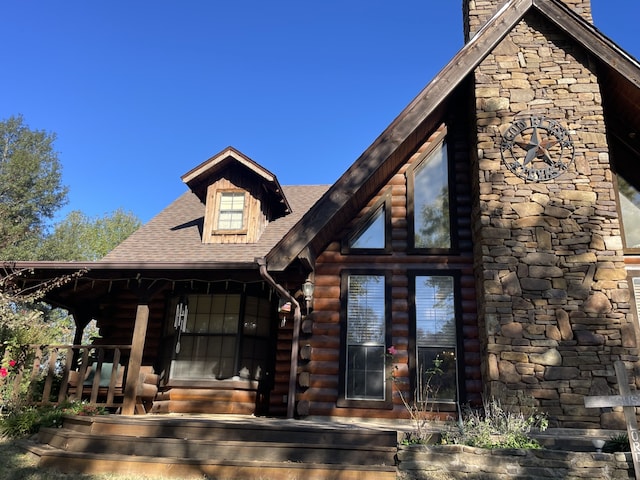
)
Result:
{"points": [[23, 317], [79, 237], [30, 187]]}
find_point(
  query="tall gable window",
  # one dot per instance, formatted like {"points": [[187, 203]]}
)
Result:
{"points": [[365, 331], [231, 211], [428, 184]]}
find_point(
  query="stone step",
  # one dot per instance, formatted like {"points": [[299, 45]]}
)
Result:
{"points": [[96, 463], [288, 450]]}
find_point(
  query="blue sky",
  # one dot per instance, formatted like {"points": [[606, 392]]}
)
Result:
{"points": [[139, 92]]}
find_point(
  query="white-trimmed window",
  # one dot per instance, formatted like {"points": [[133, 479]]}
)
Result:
{"points": [[231, 208]]}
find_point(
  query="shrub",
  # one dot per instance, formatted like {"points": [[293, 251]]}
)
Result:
{"points": [[617, 443], [27, 420], [495, 427]]}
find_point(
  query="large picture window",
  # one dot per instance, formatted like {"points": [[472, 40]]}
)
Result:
{"points": [[226, 336], [435, 344], [429, 201], [366, 337]]}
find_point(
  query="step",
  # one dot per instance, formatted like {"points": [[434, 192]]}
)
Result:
{"points": [[249, 429], [96, 463], [289, 451]]}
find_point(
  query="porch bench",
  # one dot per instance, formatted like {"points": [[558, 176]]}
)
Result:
{"points": [[145, 394]]}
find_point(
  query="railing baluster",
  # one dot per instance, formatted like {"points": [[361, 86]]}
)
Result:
{"points": [[51, 368], [114, 376], [64, 384], [96, 376]]}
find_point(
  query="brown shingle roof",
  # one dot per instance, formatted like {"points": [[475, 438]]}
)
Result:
{"points": [[175, 234]]}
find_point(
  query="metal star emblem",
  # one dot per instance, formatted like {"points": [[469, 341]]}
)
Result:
{"points": [[537, 148]]}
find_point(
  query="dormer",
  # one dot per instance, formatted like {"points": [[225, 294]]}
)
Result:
{"points": [[240, 197]]}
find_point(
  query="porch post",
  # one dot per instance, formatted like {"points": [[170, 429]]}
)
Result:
{"points": [[135, 359]]}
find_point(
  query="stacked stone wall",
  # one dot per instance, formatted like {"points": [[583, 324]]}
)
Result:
{"points": [[478, 12], [555, 300], [453, 462]]}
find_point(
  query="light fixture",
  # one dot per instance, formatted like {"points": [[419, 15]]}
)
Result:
{"points": [[307, 291], [598, 444]]}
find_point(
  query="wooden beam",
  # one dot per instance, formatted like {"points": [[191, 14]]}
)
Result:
{"points": [[135, 359]]}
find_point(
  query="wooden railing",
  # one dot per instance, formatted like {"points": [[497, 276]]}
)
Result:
{"points": [[53, 374]]}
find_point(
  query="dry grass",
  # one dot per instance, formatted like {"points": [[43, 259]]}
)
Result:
{"points": [[16, 464]]}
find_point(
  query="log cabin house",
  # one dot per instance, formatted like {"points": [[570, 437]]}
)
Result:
{"points": [[492, 228]]}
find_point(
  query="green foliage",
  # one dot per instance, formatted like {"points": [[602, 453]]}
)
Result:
{"points": [[27, 420], [79, 237], [26, 320], [30, 187], [617, 443], [496, 427]]}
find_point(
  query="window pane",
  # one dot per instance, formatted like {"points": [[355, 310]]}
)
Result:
{"points": [[211, 347], [373, 234], [435, 338], [437, 379], [230, 214], [431, 201], [365, 366], [365, 376], [630, 208], [365, 310], [435, 311]]}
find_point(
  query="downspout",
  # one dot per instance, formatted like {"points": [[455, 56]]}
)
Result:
{"points": [[297, 318]]}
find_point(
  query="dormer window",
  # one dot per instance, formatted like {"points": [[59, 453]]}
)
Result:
{"points": [[240, 197], [231, 207]]}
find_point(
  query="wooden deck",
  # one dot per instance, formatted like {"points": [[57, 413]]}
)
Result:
{"points": [[219, 447]]}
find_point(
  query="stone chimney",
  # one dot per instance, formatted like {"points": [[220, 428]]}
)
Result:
{"points": [[554, 302], [478, 12]]}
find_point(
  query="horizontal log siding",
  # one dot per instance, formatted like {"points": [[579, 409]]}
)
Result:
{"points": [[320, 352]]}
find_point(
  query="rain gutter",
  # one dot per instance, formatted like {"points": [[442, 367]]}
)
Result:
{"points": [[295, 341]]}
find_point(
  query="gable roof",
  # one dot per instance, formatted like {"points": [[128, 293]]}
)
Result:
{"points": [[621, 72], [199, 178]]}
